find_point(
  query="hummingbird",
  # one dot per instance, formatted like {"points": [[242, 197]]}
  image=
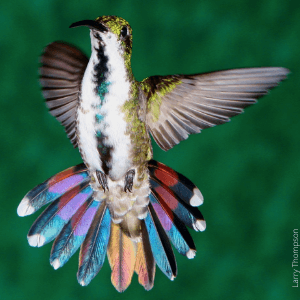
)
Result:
{"points": [[119, 202]]}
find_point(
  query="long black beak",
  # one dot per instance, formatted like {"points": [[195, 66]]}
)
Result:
{"points": [[89, 23]]}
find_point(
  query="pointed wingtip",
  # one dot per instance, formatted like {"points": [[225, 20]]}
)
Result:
{"points": [[283, 72], [199, 225], [36, 240], [287, 71], [197, 198], [24, 208]]}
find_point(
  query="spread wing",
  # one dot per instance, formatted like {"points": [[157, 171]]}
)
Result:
{"points": [[61, 73], [180, 105]]}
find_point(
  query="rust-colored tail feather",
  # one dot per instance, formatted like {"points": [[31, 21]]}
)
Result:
{"points": [[121, 256]]}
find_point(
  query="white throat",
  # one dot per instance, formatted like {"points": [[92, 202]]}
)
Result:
{"points": [[108, 106]]}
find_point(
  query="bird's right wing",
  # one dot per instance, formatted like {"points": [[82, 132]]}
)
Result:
{"points": [[61, 73], [179, 105]]}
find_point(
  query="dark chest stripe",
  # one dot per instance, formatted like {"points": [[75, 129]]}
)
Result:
{"points": [[101, 74], [101, 70], [104, 151]]}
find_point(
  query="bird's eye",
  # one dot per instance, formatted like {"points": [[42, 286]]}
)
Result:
{"points": [[124, 31]]}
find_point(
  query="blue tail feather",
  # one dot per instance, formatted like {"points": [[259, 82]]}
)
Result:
{"points": [[49, 224], [93, 250], [160, 245], [181, 186], [73, 233], [52, 189], [189, 215], [174, 228]]}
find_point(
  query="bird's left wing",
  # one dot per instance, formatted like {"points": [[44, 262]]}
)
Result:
{"points": [[61, 73], [179, 105]]}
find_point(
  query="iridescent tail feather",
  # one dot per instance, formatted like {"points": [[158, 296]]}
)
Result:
{"points": [[75, 218], [52, 188], [93, 250]]}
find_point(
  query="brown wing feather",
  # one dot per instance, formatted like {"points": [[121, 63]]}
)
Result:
{"points": [[189, 103], [61, 73]]}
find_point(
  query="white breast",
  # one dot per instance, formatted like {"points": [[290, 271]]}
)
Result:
{"points": [[113, 124], [86, 121]]}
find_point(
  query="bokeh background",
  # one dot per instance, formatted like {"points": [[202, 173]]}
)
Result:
{"points": [[248, 170]]}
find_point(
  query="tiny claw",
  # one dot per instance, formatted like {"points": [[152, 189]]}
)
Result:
{"points": [[127, 189], [102, 179], [129, 180]]}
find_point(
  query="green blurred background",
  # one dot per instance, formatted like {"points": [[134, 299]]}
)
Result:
{"points": [[248, 170]]}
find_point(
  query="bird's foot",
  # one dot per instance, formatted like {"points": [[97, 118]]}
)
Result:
{"points": [[129, 180], [102, 180]]}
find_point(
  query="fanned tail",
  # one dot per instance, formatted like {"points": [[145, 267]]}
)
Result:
{"points": [[74, 218], [78, 217]]}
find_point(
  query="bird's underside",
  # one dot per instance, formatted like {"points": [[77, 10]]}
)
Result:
{"points": [[120, 202]]}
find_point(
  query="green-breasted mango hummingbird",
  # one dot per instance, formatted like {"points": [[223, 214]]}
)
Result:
{"points": [[120, 202]]}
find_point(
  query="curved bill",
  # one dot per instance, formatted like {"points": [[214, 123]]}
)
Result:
{"points": [[89, 23]]}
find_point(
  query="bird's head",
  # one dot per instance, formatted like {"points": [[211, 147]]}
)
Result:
{"points": [[109, 31]]}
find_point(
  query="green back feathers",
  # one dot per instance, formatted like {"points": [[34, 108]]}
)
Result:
{"points": [[156, 87]]}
